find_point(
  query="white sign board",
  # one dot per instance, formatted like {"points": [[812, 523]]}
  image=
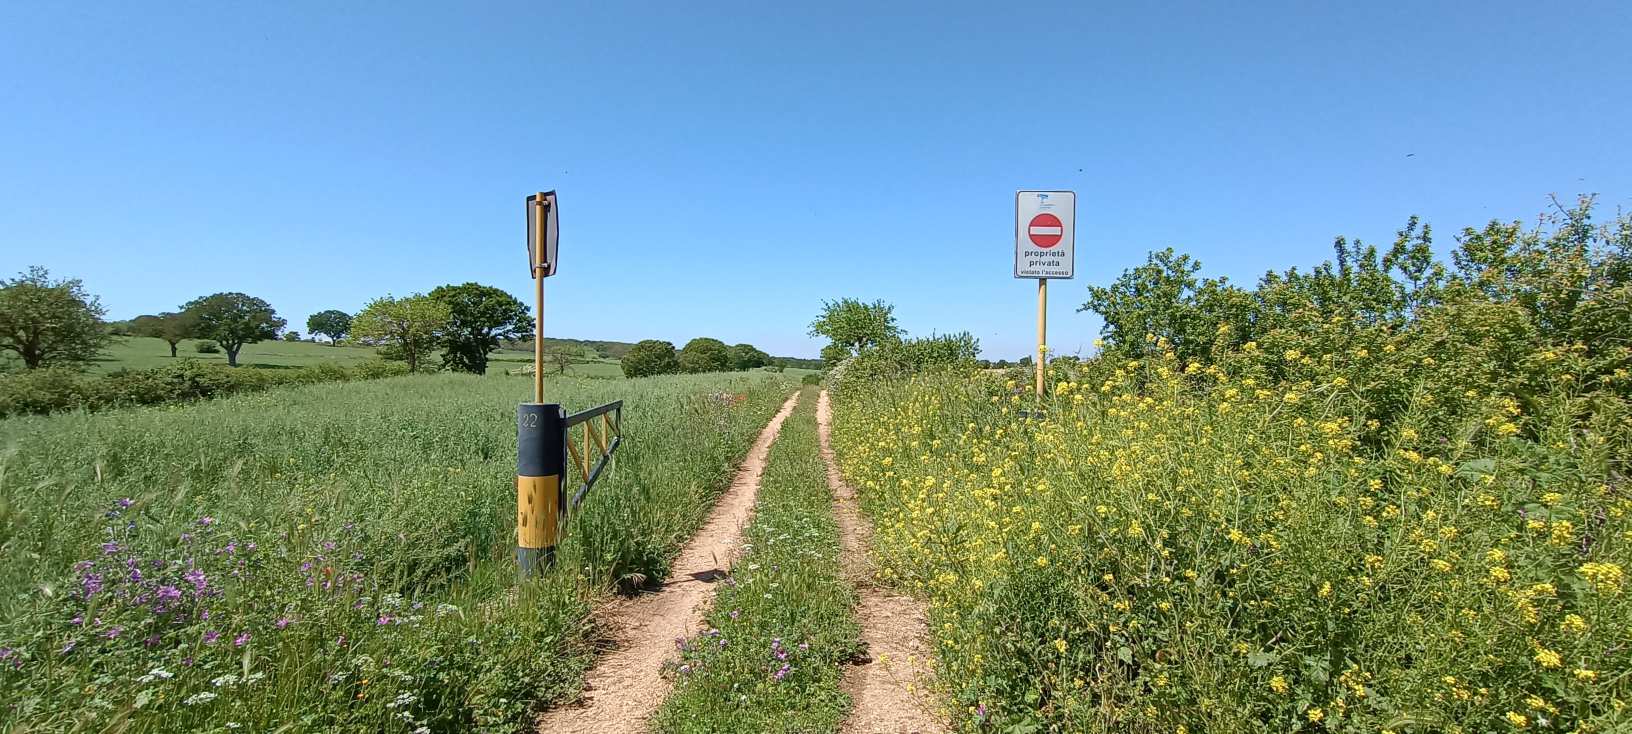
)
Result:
{"points": [[1045, 232]]}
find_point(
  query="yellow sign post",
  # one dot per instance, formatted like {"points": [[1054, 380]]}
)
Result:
{"points": [[541, 462], [1042, 331]]}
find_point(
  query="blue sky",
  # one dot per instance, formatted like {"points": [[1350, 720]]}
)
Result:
{"points": [[723, 167]]}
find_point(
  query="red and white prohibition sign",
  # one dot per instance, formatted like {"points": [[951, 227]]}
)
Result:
{"points": [[1045, 230]]}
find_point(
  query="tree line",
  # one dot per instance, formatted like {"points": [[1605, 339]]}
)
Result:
{"points": [[50, 322], [703, 354]]}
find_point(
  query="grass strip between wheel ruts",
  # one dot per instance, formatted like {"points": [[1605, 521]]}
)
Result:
{"points": [[784, 621]]}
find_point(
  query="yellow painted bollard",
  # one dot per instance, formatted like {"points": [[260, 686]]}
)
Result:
{"points": [[541, 464]]}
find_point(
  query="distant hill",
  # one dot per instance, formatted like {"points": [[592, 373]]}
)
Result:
{"points": [[615, 350]]}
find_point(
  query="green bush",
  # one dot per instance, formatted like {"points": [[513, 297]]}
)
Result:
{"points": [[650, 357], [51, 390], [207, 346], [41, 391]]}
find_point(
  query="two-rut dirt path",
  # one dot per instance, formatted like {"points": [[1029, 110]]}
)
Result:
{"points": [[625, 686], [891, 686]]}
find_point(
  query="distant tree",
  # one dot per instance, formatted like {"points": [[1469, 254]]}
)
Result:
{"points": [[291, 336], [835, 353], [50, 322], [171, 326], [560, 357], [650, 357], [233, 319], [407, 329], [479, 317], [704, 355], [856, 325], [747, 357], [1024, 361], [333, 323]]}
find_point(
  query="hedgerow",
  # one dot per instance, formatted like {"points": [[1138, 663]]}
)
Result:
{"points": [[49, 390]]}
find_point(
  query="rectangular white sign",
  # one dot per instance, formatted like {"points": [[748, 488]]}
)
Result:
{"points": [[1045, 228]]}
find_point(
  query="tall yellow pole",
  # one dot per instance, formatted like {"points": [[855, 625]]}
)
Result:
{"points": [[1042, 331], [538, 298]]}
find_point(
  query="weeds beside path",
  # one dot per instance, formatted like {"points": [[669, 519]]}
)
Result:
{"points": [[891, 686], [626, 684]]}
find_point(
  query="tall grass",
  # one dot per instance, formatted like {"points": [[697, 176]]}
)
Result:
{"points": [[783, 622], [332, 557]]}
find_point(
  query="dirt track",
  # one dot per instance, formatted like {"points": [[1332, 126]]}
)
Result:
{"points": [[626, 685], [889, 689]]}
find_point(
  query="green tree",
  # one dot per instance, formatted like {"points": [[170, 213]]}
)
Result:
{"points": [[704, 355], [834, 353], [333, 323], [233, 320], [479, 317], [171, 326], [408, 329], [291, 336], [856, 325], [650, 357], [50, 322], [747, 357]]}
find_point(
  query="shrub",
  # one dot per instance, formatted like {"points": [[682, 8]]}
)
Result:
{"points": [[650, 357], [42, 390], [51, 390], [896, 359], [207, 346], [705, 355]]}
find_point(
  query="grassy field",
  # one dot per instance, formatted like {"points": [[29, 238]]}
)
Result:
{"points": [[135, 353], [331, 557], [140, 352]]}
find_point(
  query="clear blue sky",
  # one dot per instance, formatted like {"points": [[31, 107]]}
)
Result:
{"points": [[723, 167]]}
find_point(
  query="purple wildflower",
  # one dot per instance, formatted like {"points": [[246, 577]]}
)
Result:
{"points": [[114, 632], [385, 619], [152, 641], [197, 579], [241, 640], [125, 503], [68, 648], [211, 636], [783, 671], [980, 712], [282, 622], [109, 548], [736, 613], [168, 594], [804, 646], [91, 584], [206, 521]]}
